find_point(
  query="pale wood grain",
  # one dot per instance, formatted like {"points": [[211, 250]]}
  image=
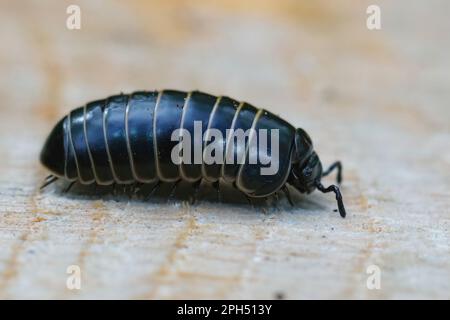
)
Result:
{"points": [[376, 100]]}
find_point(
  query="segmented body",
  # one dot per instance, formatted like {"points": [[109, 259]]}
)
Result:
{"points": [[127, 138]]}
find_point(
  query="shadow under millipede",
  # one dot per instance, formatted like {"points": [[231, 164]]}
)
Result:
{"points": [[166, 193]]}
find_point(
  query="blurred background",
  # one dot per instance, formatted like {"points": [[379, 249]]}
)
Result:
{"points": [[376, 99]]}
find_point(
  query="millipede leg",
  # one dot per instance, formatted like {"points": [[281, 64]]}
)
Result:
{"points": [[336, 165], [172, 190], [196, 187], [277, 198], [69, 186], [154, 188], [129, 189], [132, 190], [249, 200], [264, 208], [336, 190], [245, 195], [48, 180], [216, 186], [114, 189], [137, 188], [288, 195]]}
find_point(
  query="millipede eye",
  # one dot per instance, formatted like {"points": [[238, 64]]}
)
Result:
{"points": [[307, 172]]}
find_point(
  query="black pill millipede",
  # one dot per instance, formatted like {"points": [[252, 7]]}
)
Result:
{"points": [[126, 139]]}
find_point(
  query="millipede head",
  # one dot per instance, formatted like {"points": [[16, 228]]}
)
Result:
{"points": [[306, 166], [306, 171]]}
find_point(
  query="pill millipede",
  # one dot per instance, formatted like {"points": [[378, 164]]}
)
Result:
{"points": [[127, 138]]}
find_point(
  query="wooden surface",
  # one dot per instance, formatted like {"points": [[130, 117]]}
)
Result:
{"points": [[377, 100]]}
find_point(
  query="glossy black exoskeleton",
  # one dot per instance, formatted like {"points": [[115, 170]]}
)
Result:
{"points": [[126, 139]]}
